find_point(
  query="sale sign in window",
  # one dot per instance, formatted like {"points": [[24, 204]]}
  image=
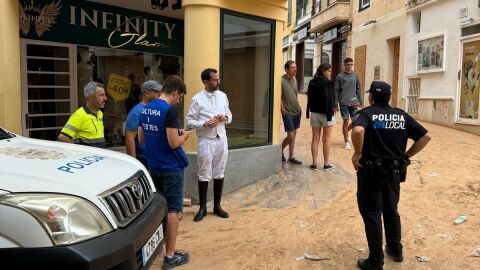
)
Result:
{"points": [[118, 87]]}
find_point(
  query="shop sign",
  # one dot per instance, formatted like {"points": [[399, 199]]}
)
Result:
{"points": [[345, 28], [330, 35], [89, 23], [463, 13], [376, 73], [303, 33], [285, 42], [118, 87]]}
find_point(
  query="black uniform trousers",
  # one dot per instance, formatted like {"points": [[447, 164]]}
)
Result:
{"points": [[377, 194]]}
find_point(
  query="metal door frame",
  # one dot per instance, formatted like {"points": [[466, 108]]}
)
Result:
{"points": [[24, 78]]}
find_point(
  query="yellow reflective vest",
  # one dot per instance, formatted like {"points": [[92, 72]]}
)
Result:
{"points": [[86, 128]]}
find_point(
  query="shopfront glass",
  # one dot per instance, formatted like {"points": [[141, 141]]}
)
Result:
{"points": [[246, 72], [83, 41], [469, 83], [122, 72]]}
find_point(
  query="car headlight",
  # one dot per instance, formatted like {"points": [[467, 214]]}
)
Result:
{"points": [[67, 219]]}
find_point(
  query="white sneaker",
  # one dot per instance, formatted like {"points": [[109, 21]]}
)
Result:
{"points": [[347, 146]]}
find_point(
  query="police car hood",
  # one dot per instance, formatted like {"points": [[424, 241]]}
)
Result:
{"points": [[30, 165]]}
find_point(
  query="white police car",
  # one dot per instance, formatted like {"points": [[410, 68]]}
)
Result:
{"points": [[65, 206]]}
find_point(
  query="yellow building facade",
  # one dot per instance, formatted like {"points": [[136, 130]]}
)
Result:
{"points": [[51, 48], [10, 95]]}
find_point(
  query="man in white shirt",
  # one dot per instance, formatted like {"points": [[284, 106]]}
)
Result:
{"points": [[208, 114]]}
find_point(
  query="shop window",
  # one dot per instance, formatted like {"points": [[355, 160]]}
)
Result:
{"points": [[364, 4], [471, 30], [308, 67], [119, 69], [247, 77], [415, 22], [469, 87], [327, 53]]}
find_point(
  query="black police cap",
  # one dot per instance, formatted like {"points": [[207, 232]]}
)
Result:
{"points": [[380, 89]]}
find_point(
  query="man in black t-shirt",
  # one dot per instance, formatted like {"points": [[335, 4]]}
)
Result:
{"points": [[379, 137]]}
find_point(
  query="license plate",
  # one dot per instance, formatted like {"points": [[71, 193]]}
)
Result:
{"points": [[149, 248]]}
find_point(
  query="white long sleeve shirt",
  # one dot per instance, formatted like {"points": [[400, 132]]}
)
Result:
{"points": [[205, 106]]}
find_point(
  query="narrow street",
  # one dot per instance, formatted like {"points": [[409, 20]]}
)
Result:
{"points": [[301, 211]]}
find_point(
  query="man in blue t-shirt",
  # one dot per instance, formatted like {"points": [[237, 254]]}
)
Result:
{"points": [[150, 90], [163, 140]]}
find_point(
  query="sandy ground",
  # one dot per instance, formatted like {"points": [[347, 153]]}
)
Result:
{"points": [[300, 211]]}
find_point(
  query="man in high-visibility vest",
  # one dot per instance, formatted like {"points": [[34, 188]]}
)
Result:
{"points": [[85, 125]]}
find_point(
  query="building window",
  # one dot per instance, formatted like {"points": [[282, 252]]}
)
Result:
{"points": [[471, 30], [247, 77], [316, 7], [308, 67], [364, 4], [413, 94], [304, 7], [289, 12]]}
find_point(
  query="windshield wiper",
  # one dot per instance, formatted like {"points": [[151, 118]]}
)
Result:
{"points": [[5, 135]]}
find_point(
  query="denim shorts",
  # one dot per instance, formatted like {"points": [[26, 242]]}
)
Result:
{"points": [[170, 184], [291, 122], [348, 111]]}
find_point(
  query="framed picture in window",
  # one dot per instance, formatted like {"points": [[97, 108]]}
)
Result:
{"points": [[364, 4], [431, 54]]}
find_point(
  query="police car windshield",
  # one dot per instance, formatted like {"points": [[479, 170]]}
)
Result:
{"points": [[4, 135]]}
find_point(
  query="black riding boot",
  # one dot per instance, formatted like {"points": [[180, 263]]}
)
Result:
{"points": [[217, 198], [202, 193]]}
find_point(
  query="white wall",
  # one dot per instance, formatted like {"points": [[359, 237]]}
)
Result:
{"points": [[438, 17]]}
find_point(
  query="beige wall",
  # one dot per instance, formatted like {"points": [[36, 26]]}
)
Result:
{"points": [[377, 10], [202, 26], [442, 112], [338, 10], [390, 17], [10, 90]]}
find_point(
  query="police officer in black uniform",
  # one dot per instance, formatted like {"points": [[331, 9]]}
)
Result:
{"points": [[379, 137]]}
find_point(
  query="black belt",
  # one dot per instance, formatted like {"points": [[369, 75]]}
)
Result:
{"points": [[385, 167]]}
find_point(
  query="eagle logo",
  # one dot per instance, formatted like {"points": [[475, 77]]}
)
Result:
{"points": [[43, 17], [30, 153]]}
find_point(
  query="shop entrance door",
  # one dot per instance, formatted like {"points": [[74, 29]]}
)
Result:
{"points": [[339, 54], [395, 69], [48, 88], [300, 60], [360, 65]]}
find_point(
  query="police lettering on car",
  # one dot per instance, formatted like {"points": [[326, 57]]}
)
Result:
{"points": [[80, 164], [380, 135]]}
